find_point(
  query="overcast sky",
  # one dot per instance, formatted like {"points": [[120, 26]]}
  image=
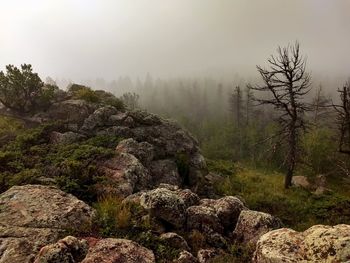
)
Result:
{"points": [[82, 39]]}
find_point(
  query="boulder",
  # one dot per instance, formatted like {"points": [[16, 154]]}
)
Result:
{"points": [[317, 244], [70, 111], [165, 171], [99, 118], [201, 218], [186, 257], [39, 206], [206, 255], [125, 175], [67, 250], [118, 250], [189, 198], [301, 181], [174, 240], [165, 205], [142, 151], [252, 225], [227, 209], [33, 216]]}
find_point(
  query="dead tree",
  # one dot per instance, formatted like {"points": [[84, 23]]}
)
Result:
{"points": [[343, 119], [248, 103], [320, 106], [287, 82], [236, 106]]}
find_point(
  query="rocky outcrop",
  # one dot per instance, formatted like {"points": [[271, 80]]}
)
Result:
{"points": [[165, 152], [317, 244], [32, 216], [118, 250], [252, 225], [173, 209]]}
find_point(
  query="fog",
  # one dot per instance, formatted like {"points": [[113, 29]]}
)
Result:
{"points": [[87, 39]]}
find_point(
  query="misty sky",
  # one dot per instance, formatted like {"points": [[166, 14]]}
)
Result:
{"points": [[85, 39]]}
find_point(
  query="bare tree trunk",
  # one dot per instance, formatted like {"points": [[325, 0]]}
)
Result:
{"points": [[291, 158]]}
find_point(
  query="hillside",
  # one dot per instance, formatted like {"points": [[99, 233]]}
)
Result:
{"points": [[87, 180]]}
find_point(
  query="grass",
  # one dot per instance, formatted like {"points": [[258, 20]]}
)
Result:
{"points": [[299, 209]]}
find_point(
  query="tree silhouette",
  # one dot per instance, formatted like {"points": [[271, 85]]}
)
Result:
{"points": [[287, 82]]}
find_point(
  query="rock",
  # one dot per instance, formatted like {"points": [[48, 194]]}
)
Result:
{"points": [[227, 209], [33, 216], [186, 257], [165, 205], [40, 206], [170, 187], [206, 255], [165, 171], [301, 181], [65, 138], [118, 250], [72, 111], [174, 240], [252, 225], [281, 245], [67, 250], [317, 244], [321, 181], [20, 244], [125, 175], [321, 190], [201, 218], [142, 151], [189, 198], [118, 118], [98, 118]]}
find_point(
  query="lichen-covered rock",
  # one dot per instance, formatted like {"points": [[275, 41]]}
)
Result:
{"points": [[165, 205], [206, 255], [201, 217], [157, 143], [143, 151], [67, 250], [125, 175], [186, 257], [301, 181], [227, 209], [327, 243], [118, 250], [98, 118], [174, 240], [70, 111], [317, 244], [40, 206], [253, 224], [33, 216], [189, 198], [166, 172]]}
